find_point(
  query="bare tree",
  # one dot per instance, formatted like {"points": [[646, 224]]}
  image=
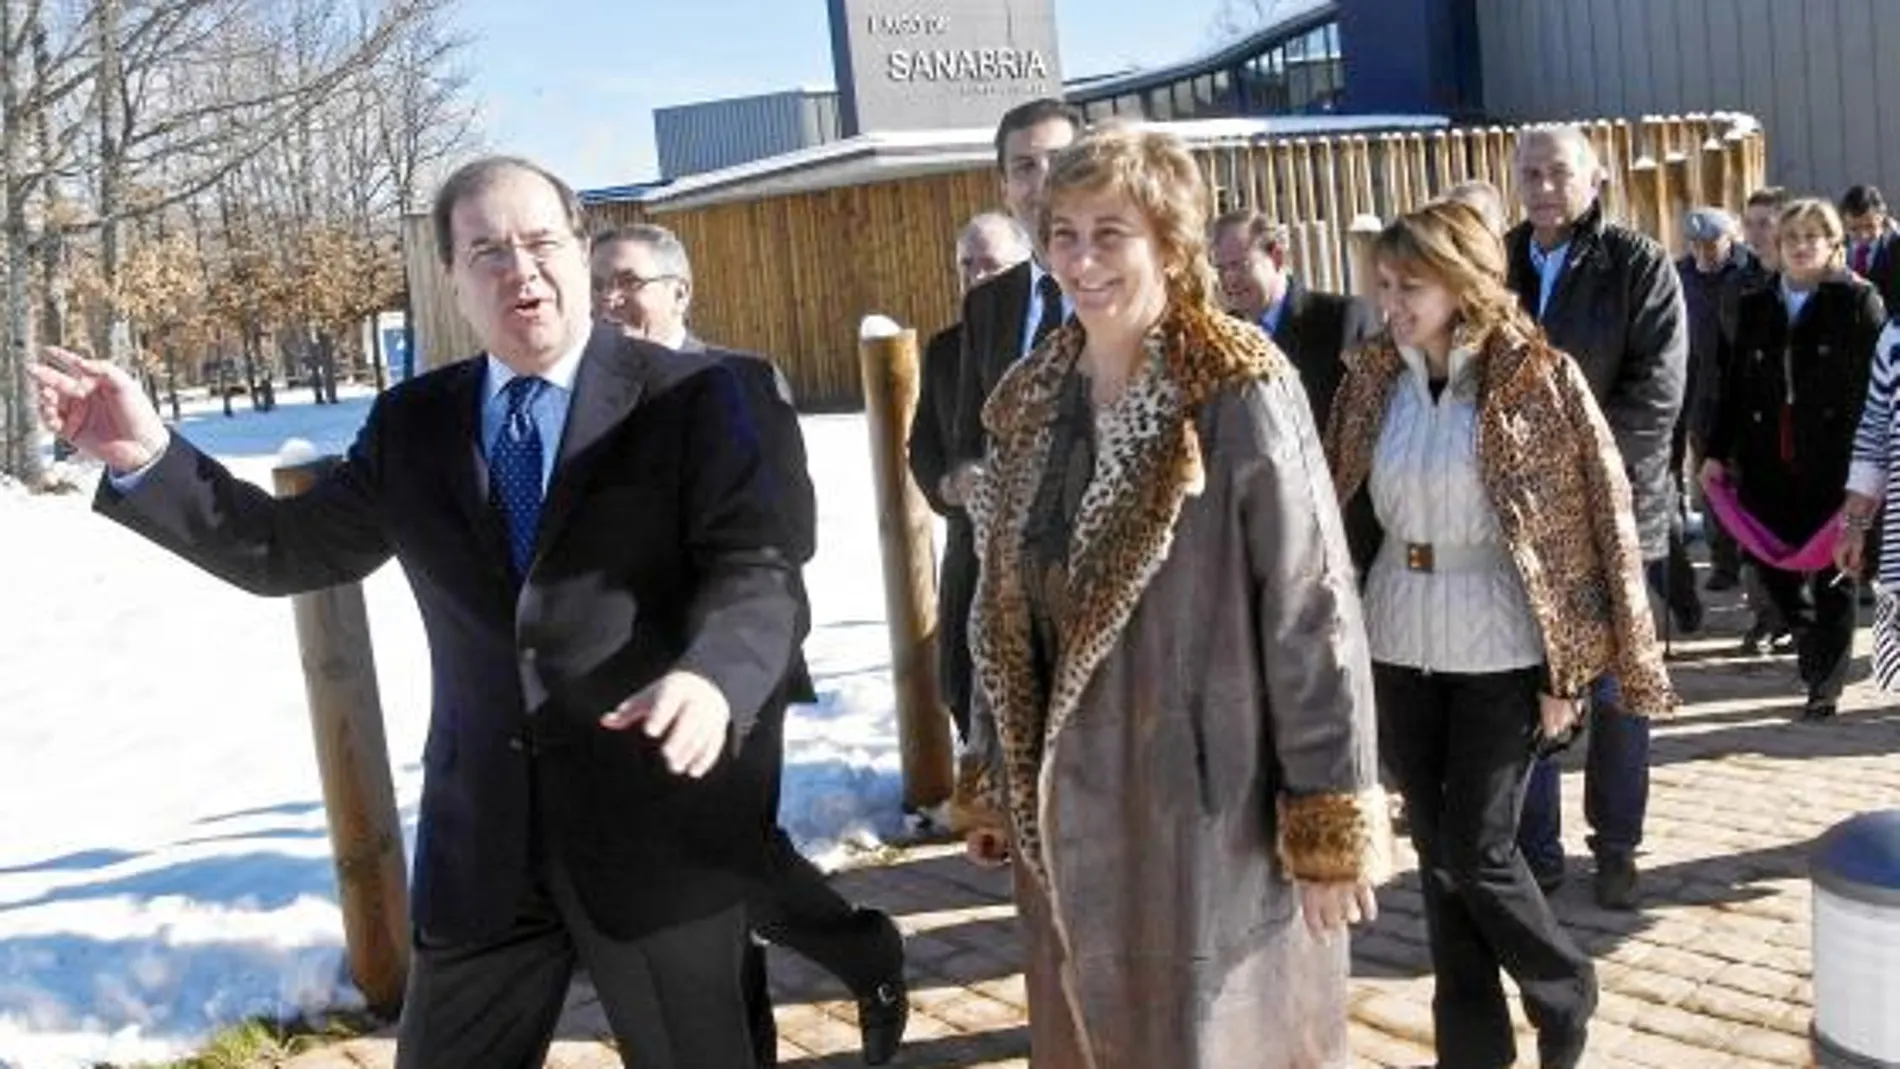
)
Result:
{"points": [[1238, 18]]}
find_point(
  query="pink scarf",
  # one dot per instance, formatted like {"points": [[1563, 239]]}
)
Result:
{"points": [[1764, 545]]}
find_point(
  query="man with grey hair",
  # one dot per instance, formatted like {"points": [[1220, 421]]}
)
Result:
{"points": [[586, 524], [1484, 198], [1717, 264], [643, 285], [1609, 297], [989, 245]]}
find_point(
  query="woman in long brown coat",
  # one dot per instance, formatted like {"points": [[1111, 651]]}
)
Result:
{"points": [[1170, 657]]}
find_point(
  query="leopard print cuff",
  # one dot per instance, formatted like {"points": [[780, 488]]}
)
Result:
{"points": [[977, 802], [1336, 837]]}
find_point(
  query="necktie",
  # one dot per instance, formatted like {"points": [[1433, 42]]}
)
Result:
{"points": [[514, 472], [1051, 294]]}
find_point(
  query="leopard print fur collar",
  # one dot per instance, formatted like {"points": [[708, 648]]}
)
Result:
{"points": [[1148, 462]]}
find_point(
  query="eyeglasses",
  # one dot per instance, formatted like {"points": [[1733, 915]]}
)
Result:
{"points": [[495, 257], [628, 282]]}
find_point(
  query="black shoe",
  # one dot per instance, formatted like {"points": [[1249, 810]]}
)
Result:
{"points": [[882, 1017], [1689, 618], [1818, 709], [1562, 1048], [1550, 878], [1616, 882], [1720, 581]]}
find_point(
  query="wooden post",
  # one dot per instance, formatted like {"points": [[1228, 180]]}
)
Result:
{"points": [[887, 360], [1421, 171], [346, 719], [1645, 195], [1715, 180], [1329, 189], [1300, 185], [1359, 241], [1678, 188], [1735, 190]]}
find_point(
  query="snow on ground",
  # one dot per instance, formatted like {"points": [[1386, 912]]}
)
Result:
{"points": [[165, 868]]}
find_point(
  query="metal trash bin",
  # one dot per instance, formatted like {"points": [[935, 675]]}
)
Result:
{"points": [[1855, 870]]}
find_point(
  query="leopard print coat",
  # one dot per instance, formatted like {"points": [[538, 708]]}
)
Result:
{"points": [[1551, 468], [1207, 728]]}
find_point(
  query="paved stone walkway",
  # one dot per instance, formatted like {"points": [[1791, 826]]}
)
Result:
{"points": [[1713, 972]]}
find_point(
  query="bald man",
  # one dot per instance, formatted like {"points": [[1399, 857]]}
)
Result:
{"points": [[1610, 298]]}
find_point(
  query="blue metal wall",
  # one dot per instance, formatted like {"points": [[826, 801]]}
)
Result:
{"points": [[1412, 56]]}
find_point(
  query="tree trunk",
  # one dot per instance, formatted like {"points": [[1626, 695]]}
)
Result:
{"points": [[250, 368], [326, 366], [171, 378], [19, 452], [376, 352], [117, 345]]}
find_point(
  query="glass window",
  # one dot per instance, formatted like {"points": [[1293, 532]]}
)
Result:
{"points": [[1130, 104], [1183, 99], [1160, 104], [1224, 103]]}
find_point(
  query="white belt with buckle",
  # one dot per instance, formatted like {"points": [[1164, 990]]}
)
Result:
{"points": [[1440, 559]]}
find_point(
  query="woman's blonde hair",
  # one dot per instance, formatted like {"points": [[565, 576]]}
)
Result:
{"points": [[1449, 243], [1817, 213], [1155, 171]]}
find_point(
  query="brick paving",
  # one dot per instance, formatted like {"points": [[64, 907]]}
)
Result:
{"points": [[1713, 973]]}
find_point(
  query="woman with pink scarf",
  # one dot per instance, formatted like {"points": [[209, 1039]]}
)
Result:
{"points": [[1778, 453]]}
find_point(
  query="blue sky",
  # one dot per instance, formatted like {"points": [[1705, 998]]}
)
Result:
{"points": [[574, 84]]}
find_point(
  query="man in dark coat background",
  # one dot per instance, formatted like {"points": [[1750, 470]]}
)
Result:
{"points": [[1610, 298], [1314, 329], [643, 285], [990, 244]]}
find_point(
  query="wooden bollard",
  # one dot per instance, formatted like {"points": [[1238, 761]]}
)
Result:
{"points": [[346, 721], [887, 360]]}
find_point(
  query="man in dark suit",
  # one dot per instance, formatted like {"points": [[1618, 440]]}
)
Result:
{"points": [[990, 244], [643, 286], [1873, 242], [1314, 329], [587, 523], [1005, 317]]}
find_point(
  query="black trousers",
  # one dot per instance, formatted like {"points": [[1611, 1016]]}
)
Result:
{"points": [[1460, 746], [674, 998], [1821, 613], [792, 905]]}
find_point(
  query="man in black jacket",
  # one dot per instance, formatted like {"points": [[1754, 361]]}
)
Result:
{"points": [[1610, 298], [586, 522], [1314, 329], [990, 244], [1873, 241], [1716, 265], [643, 285]]}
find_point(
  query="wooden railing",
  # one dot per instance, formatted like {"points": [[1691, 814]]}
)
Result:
{"points": [[1657, 169], [790, 275]]}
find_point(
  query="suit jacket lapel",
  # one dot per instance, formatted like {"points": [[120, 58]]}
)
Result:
{"points": [[468, 464], [606, 388], [1012, 311], [1285, 332]]}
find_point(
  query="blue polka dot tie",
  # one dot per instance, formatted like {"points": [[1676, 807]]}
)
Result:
{"points": [[514, 472]]}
